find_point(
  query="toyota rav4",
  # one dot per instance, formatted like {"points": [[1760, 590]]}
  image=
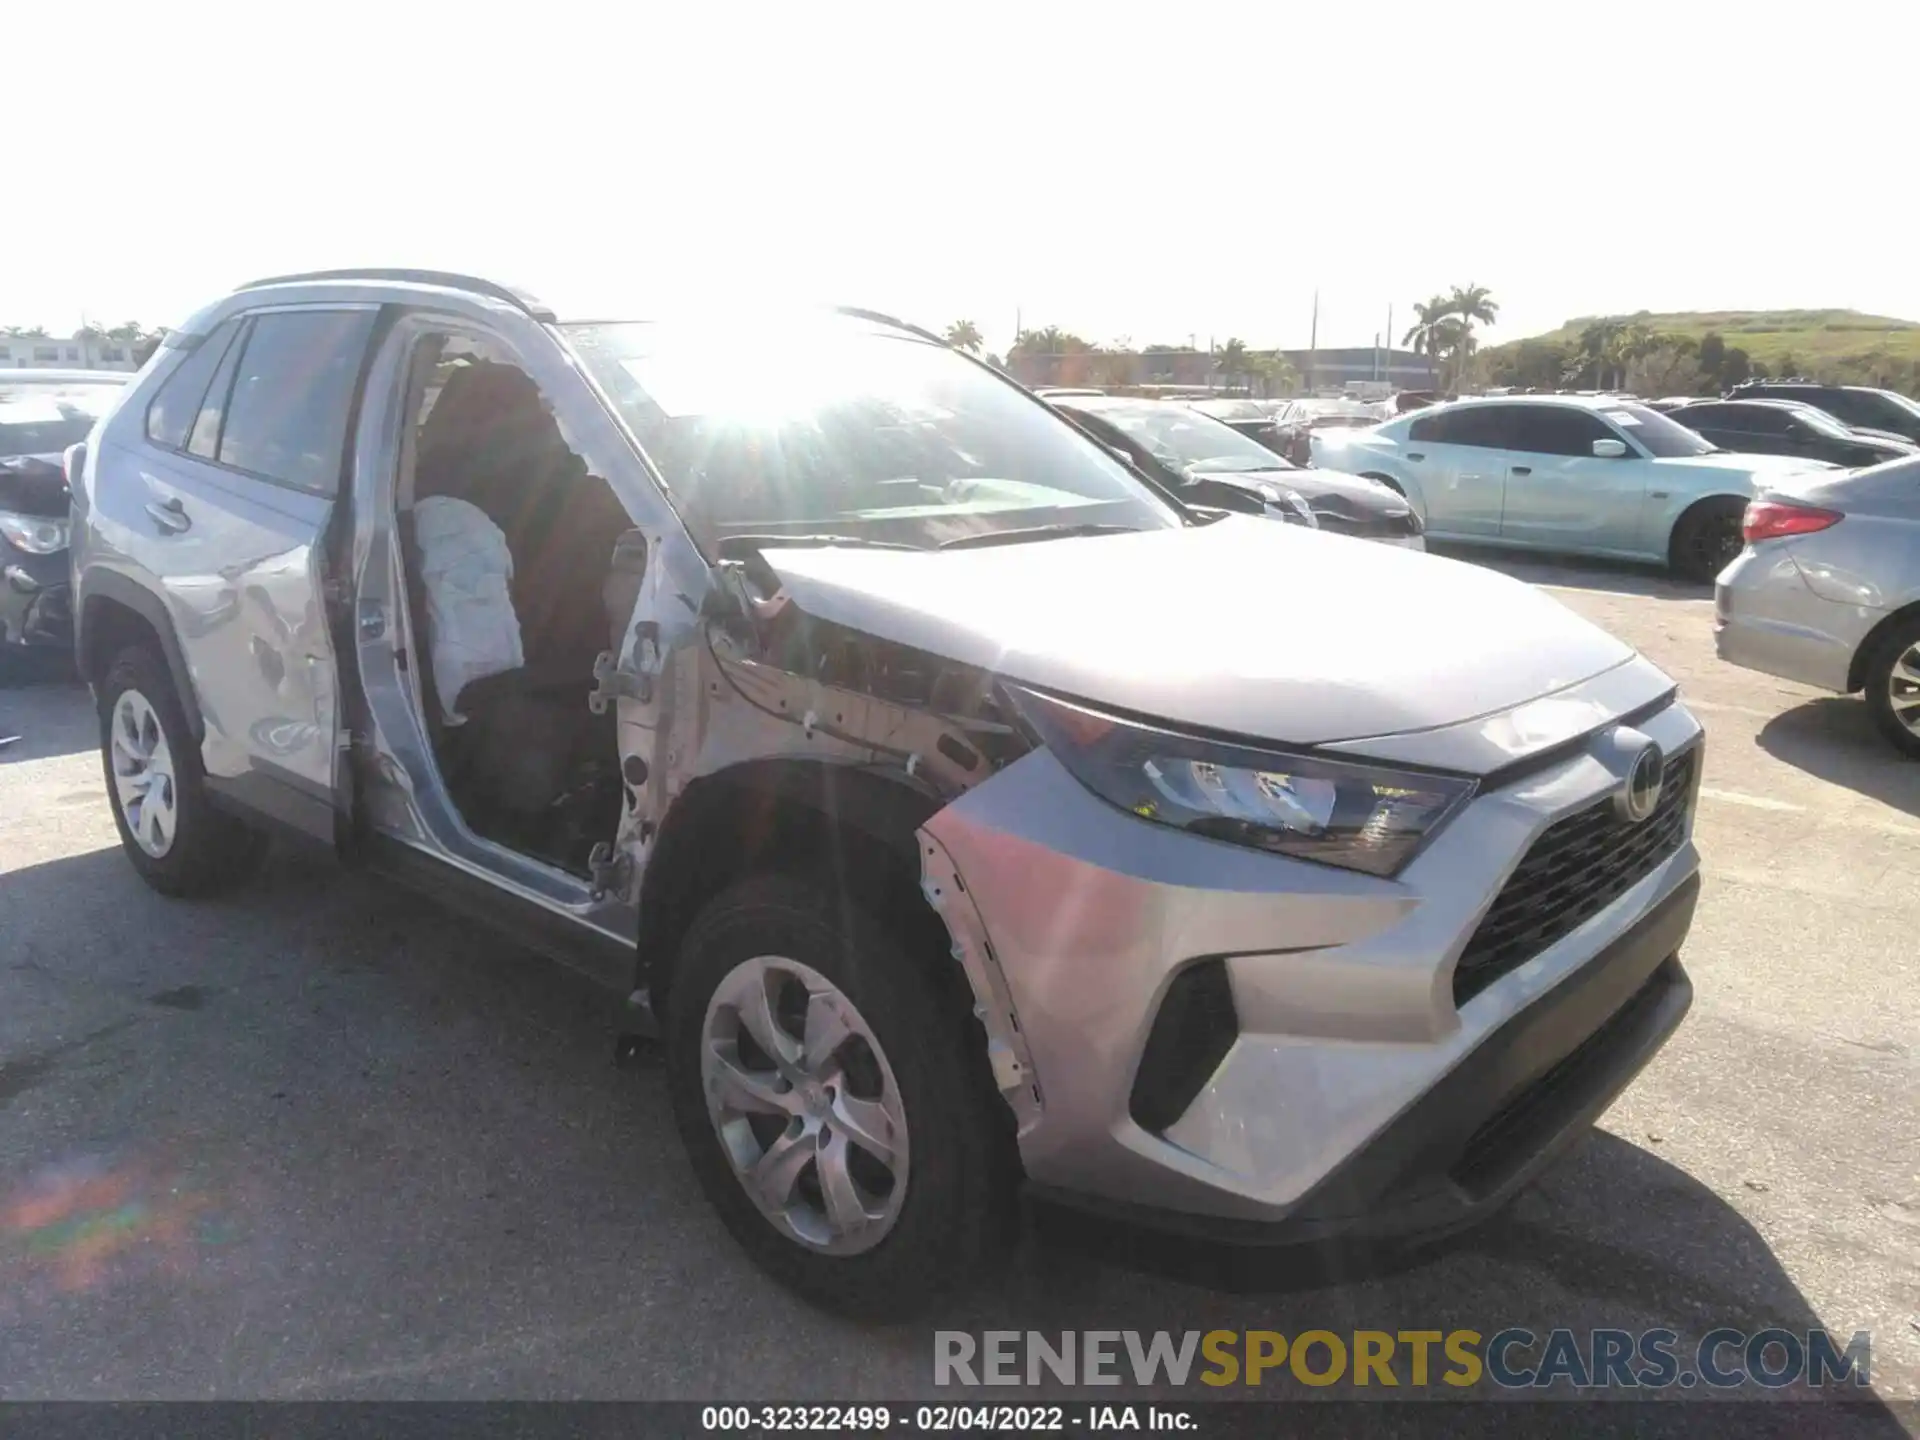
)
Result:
{"points": [[964, 814]]}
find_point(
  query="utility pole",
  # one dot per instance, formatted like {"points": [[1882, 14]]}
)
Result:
{"points": [[1387, 373], [1313, 342]]}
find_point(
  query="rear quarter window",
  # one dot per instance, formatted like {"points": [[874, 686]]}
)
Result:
{"points": [[176, 404]]}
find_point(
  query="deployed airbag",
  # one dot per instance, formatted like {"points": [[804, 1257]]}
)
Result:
{"points": [[466, 576]]}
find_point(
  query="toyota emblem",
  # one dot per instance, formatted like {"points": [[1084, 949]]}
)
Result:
{"points": [[1640, 796]]}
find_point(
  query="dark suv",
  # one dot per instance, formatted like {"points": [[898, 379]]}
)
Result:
{"points": [[1860, 406], [1785, 427]]}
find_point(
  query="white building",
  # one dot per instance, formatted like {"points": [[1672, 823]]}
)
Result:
{"points": [[65, 352]]}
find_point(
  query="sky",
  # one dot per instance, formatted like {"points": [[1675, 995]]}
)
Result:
{"points": [[1127, 171]]}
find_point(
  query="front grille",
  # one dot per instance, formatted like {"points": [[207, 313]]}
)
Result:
{"points": [[1371, 526], [1581, 865]]}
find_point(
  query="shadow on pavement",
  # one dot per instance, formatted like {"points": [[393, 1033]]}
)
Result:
{"points": [[1574, 572], [412, 1134], [44, 703], [1833, 739]]}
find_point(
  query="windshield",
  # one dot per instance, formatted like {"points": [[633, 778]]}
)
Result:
{"points": [[1820, 420], [1663, 438], [1327, 409], [873, 434], [1901, 402], [45, 419], [1188, 441], [1230, 409]]}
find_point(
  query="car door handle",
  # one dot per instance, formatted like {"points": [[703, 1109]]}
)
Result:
{"points": [[1523, 470], [1418, 455], [169, 514]]}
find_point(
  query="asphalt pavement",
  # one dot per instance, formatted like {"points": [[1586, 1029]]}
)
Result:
{"points": [[322, 1139]]}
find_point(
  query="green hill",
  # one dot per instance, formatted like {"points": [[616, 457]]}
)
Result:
{"points": [[1838, 346], [1767, 335]]}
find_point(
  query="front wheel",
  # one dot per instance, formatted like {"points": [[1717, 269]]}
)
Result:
{"points": [[1707, 539], [832, 1103]]}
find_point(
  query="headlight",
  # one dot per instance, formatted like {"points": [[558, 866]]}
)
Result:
{"points": [[1336, 812], [35, 534]]}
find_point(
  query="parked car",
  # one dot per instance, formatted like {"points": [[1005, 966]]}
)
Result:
{"points": [[1573, 474], [1827, 591], [1252, 418], [1786, 427], [1861, 406], [1302, 419], [1206, 462], [1667, 404], [964, 814], [42, 412]]}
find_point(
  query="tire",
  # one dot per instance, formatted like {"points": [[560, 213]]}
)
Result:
{"points": [[950, 1210], [1888, 651], [1706, 539], [204, 850]]}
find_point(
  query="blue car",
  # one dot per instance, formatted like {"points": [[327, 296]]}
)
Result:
{"points": [[1572, 474]]}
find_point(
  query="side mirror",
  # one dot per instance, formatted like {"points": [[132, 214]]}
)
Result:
{"points": [[1609, 449]]}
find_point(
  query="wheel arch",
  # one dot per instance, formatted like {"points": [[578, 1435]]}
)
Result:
{"points": [[1863, 652], [853, 827], [117, 612]]}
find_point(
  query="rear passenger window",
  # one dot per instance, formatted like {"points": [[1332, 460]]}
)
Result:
{"points": [[177, 403], [286, 417]]}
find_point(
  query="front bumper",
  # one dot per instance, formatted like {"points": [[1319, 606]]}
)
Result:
{"points": [[34, 599], [1460, 1152], [1767, 618], [1346, 1019]]}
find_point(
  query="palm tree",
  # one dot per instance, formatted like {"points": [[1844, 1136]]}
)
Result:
{"points": [[132, 330], [1425, 336], [1467, 304], [1232, 359], [964, 335], [1453, 341]]}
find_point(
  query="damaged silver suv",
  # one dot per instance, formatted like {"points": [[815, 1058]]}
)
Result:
{"points": [[967, 815]]}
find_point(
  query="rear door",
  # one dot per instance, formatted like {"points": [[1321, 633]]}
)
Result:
{"points": [[248, 443], [1560, 495], [1458, 459]]}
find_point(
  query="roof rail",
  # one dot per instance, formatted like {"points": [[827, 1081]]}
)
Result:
{"points": [[447, 279], [878, 318]]}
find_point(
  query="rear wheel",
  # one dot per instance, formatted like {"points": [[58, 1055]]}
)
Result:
{"points": [[178, 842], [831, 1104], [1893, 686], [1706, 539]]}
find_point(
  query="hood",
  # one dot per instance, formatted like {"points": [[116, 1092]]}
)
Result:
{"points": [[33, 485], [1367, 497], [1886, 443], [1242, 627]]}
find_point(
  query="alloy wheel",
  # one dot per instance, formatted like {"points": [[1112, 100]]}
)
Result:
{"points": [[805, 1105], [143, 774], [1903, 688], [1716, 543]]}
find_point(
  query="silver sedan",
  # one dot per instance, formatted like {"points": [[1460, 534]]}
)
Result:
{"points": [[1827, 591]]}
